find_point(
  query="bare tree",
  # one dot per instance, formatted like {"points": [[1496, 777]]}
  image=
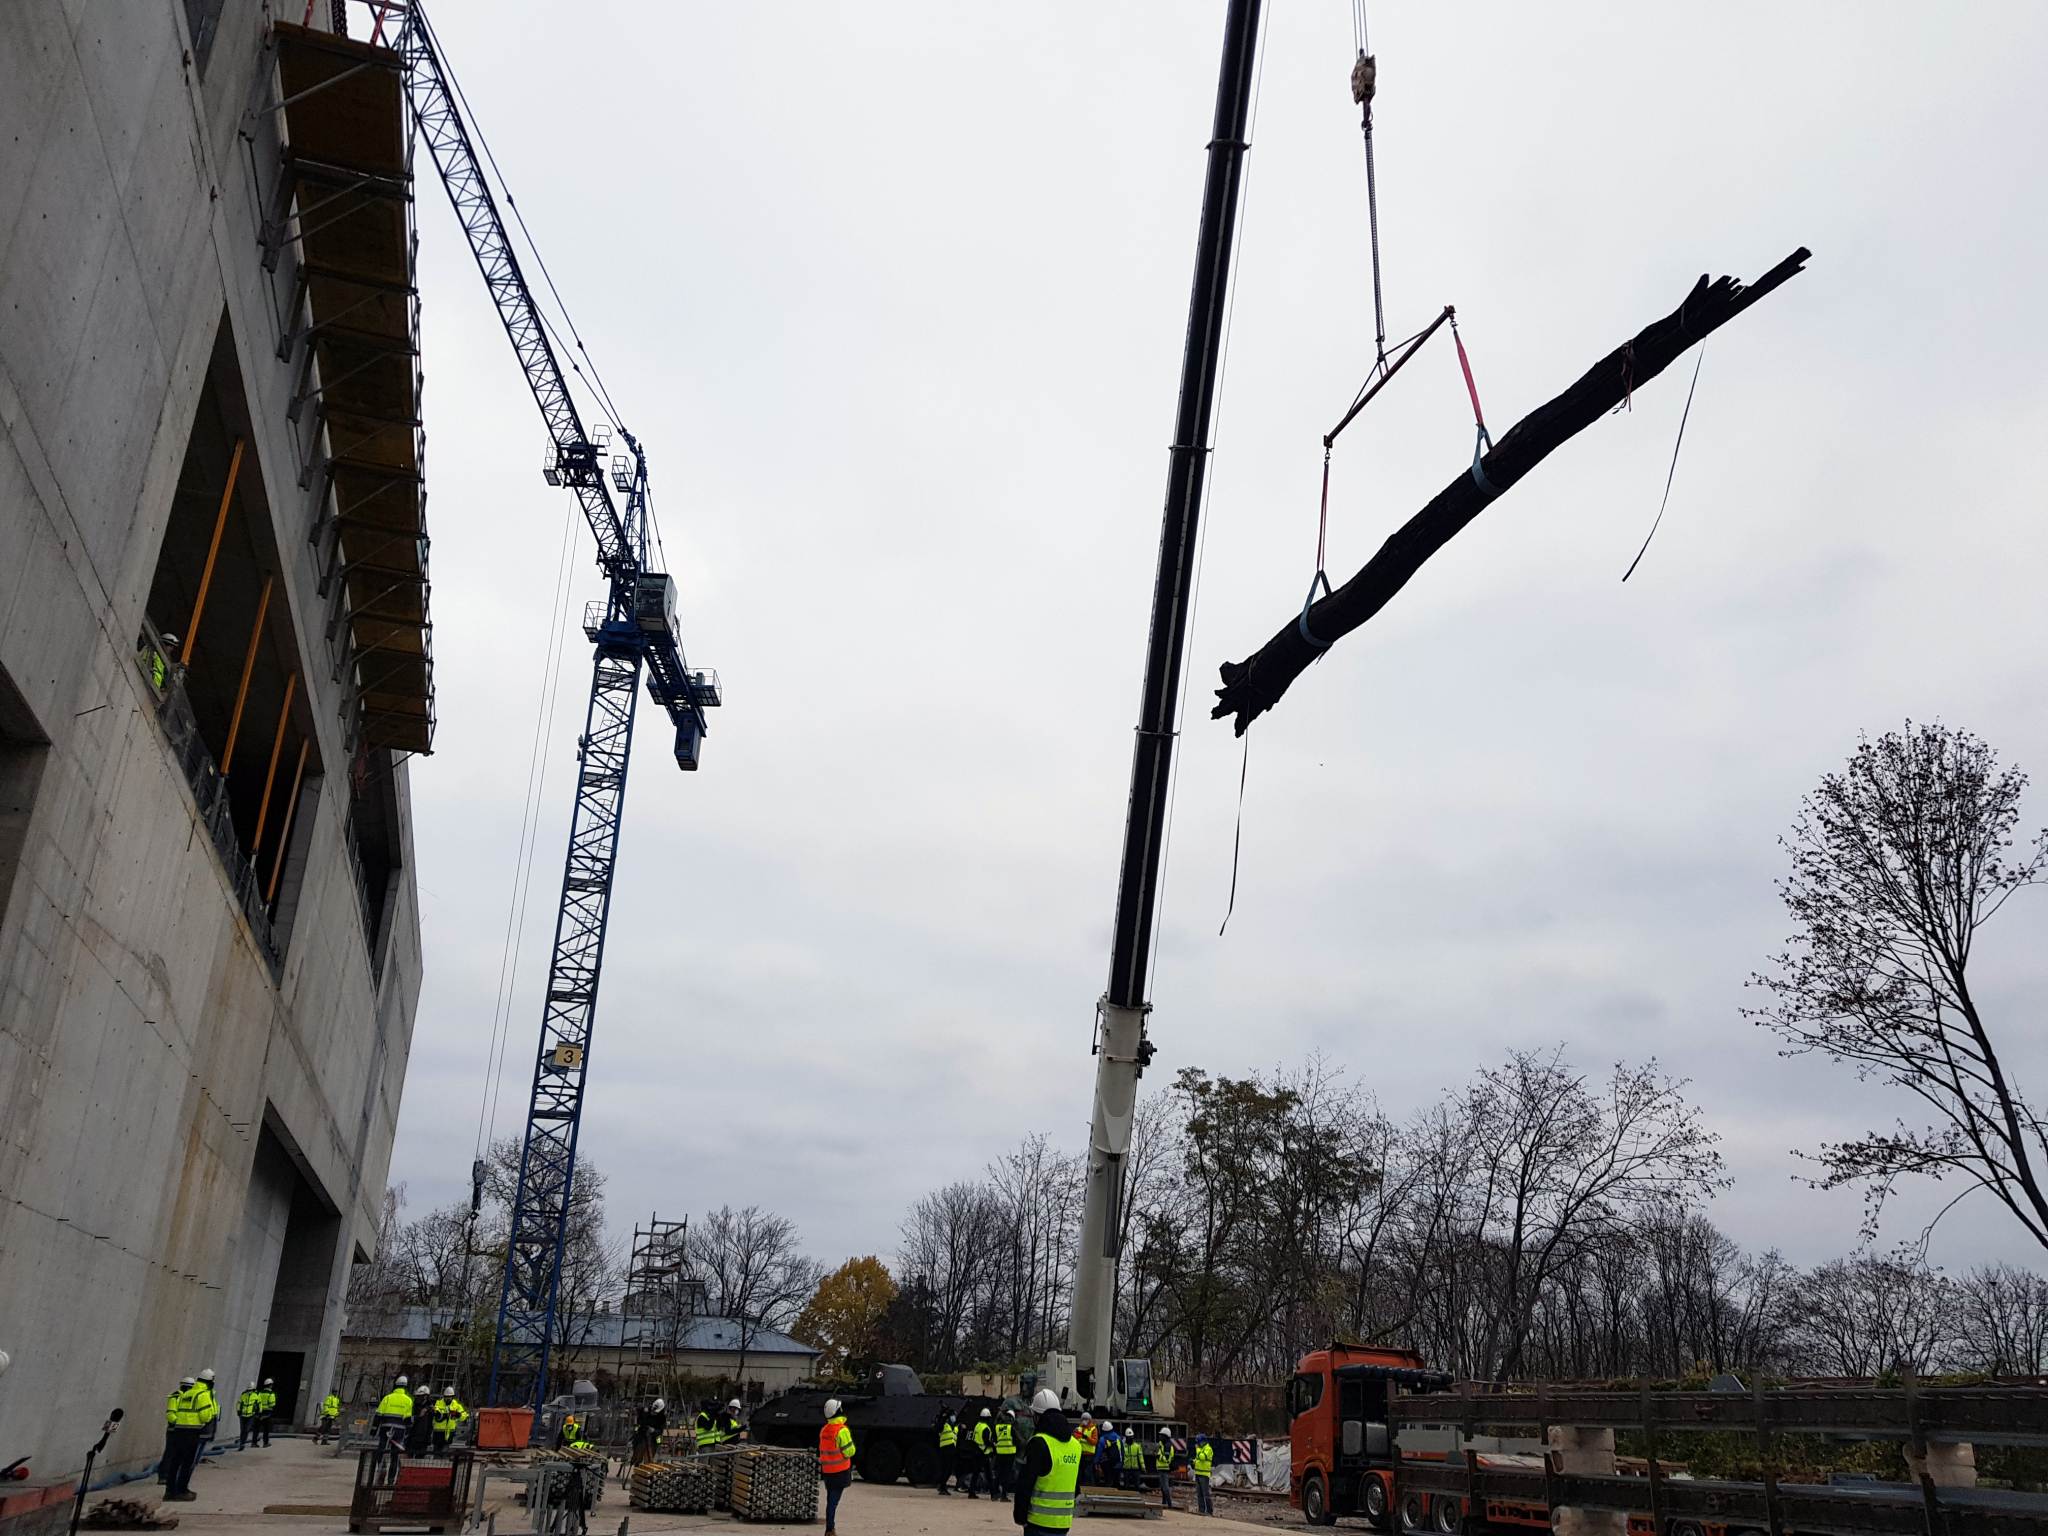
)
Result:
{"points": [[756, 1276], [593, 1264], [1556, 1161], [1896, 863], [1872, 1313], [2003, 1324]]}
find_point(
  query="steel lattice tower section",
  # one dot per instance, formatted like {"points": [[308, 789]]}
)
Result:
{"points": [[633, 626]]}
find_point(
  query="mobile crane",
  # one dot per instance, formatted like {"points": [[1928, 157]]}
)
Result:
{"points": [[1122, 1050], [632, 628]]}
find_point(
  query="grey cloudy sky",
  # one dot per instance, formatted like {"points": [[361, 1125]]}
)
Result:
{"points": [[895, 294]]}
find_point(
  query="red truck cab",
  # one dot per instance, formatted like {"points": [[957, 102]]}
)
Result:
{"points": [[1339, 1438]]}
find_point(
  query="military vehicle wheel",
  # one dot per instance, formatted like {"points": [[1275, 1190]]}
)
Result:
{"points": [[922, 1465], [1315, 1501], [881, 1462]]}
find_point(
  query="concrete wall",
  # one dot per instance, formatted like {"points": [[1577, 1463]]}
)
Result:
{"points": [[145, 1044]]}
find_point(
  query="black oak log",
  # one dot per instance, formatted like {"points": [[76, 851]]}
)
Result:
{"points": [[1254, 685]]}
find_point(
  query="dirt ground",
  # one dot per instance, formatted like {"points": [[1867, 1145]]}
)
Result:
{"points": [[295, 1486]]}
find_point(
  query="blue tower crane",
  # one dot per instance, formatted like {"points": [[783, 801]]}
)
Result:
{"points": [[633, 629]]}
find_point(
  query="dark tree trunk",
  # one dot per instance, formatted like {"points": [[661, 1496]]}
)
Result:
{"points": [[1253, 686]]}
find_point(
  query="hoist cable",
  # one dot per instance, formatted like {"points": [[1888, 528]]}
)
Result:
{"points": [[1673, 471]]}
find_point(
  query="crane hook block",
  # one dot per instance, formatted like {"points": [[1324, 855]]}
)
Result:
{"points": [[1364, 75], [689, 743]]}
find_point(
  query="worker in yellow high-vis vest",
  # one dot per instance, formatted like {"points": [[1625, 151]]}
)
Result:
{"points": [[1050, 1476], [1005, 1451], [949, 1447], [1203, 1460], [393, 1420]]}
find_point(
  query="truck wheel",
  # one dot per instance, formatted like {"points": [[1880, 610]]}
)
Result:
{"points": [[1373, 1498], [881, 1462], [922, 1466], [1449, 1514], [1315, 1501], [1414, 1512]]}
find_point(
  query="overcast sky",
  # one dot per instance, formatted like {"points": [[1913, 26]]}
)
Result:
{"points": [[895, 296]]}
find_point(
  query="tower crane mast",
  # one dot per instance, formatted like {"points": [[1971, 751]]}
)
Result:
{"points": [[632, 630]]}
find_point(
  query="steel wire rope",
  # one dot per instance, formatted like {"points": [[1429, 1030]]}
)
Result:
{"points": [[529, 839], [1244, 199], [476, 127], [595, 378]]}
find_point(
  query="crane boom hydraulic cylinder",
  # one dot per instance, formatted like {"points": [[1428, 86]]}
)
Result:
{"points": [[1121, 1047]]}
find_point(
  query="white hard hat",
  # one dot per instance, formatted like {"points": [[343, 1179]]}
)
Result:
{"points": [[447, 1391], [401, 1381], [266, 1380], [207, 1374], [5, 1361], [1108, 1428], [186, 1381], [1046, 1398], [734, 1405], [659, 1404], [831, 1407], [984, 1413]]}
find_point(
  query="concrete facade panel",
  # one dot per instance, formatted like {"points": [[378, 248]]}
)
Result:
{"points": [[146, 1040]]}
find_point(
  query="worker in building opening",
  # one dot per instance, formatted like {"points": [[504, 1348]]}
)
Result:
{"points": [[156, 659], [1006, 1451], [1051, 1472], [266, 1408], [1162, 1463], [1203, 1460], [1134, 1461], [835, 1459], [247, 1407], [449, 1417], [981, 1446], [729, 1426], [948, 1426], [330, 1419], [185, 1417], [393, 1420], [648, 1428], [1088, 1432]]}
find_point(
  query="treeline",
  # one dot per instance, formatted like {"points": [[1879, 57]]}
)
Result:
{"points": [[744, 1265], [1541, 1222]]}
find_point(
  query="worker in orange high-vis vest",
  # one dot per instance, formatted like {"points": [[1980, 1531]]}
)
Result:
{"points": [[835, 1460]]}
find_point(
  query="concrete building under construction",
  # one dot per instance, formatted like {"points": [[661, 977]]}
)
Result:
{"points": [[215, 662]]}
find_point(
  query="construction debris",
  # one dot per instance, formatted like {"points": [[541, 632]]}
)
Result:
{"points": [[128, 1515], [1254, 685]]}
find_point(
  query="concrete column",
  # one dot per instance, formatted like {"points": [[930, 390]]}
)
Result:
{"points": [[1950, 1465], [1590, 1451]]}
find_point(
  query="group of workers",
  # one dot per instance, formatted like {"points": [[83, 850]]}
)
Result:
{"points": [[408, 1425], [1042, 1476], [982, 1457], [192, 1417]]}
